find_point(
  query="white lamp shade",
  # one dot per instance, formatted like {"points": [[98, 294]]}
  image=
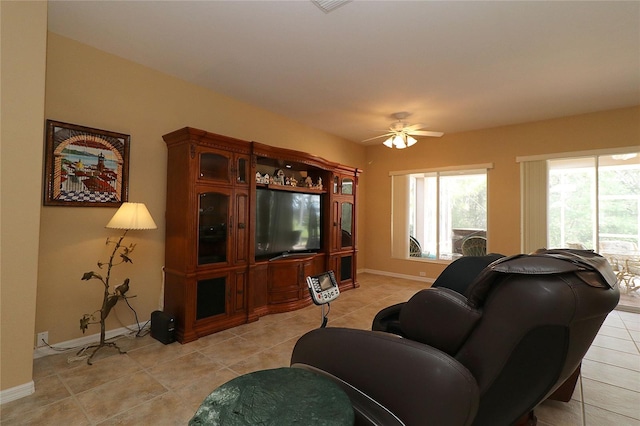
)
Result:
{"points": [[132, 216], [398, 141]]}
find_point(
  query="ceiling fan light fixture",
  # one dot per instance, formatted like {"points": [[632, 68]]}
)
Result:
{"points": [[399, 142], [401, 134]]}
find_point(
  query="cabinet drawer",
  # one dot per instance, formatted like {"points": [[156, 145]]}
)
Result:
{"points": [[284, 276], [283, 296]]}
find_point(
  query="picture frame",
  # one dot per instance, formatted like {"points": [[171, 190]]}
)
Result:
{"points": [[85, 167]]}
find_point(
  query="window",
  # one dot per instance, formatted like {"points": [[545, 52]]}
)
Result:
{"points": [[435, 212], [593, 203], [586, 201]]}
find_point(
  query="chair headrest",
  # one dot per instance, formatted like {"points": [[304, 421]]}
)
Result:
{"points": [[543, 262]]}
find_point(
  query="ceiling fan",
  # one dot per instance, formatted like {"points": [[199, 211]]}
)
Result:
{"points": [[401, 134]]}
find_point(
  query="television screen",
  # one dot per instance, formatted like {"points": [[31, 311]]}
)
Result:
{"points": [[286, 222]]}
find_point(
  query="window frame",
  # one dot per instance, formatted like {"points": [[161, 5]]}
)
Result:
{"points": [[400, 207], [534, 182]]}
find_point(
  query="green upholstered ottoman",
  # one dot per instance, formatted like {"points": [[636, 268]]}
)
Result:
{"points": [[281, 396]]}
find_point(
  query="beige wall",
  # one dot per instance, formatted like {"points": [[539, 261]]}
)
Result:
{"points": [[23, 49], [92, 88], [500, 146]]}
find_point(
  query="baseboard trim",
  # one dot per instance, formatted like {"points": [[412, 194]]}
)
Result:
{"points": [[17, 392], [84, 341], [393, 274]]}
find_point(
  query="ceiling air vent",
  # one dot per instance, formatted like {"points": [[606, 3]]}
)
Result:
{"points": [[329, 5]]}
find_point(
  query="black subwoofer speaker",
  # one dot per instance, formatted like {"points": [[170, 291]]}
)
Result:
{"points": [[163, 327]]}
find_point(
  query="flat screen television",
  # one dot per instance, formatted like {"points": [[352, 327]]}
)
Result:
{"points": [[287, 223]]}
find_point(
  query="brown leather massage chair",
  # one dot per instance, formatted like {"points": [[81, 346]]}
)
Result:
{"points": [[485, 357]]}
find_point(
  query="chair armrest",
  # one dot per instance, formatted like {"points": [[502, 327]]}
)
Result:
{"points": [[411, 380], [439, 317], [388, 320]]}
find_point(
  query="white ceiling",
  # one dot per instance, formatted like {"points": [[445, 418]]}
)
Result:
{"points": [[454, 65]]}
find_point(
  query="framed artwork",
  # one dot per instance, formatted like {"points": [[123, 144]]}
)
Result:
{"points": [[85, 167]]}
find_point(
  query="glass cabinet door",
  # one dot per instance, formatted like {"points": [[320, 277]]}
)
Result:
{"points": [[242, 173], [347, 186], [212, 227], [346, 224], [346, 268], [211, 297], [214, 166]]}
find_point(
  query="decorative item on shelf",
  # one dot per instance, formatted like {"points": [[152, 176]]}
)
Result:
{"points": [[293, 181], [278, 177], [262, 179], [319, 184], [308, 182], [130, 216]]}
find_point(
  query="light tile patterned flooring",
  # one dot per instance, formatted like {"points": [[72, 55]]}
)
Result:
{"points": [[164, 384]]}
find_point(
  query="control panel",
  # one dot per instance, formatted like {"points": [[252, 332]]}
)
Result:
{"points": [[323, 288]]}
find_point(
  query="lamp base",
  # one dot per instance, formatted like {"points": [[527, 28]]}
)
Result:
{"points": [[98, 347]]}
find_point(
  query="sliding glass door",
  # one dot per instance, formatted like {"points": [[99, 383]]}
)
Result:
{"points": [[593, 202]]}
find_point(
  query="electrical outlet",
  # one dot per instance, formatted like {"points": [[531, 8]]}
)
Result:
{"points": [[42, 339], [423, 274]]}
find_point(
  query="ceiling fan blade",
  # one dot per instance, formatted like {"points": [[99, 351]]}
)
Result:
{"points": [[414, 127], [426, 133], [378, 137]]}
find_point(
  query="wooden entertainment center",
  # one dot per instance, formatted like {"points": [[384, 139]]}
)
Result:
{"points": [[214, 279]]}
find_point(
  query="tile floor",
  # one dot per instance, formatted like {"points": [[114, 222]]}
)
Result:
{"points": [[164, 384]]}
